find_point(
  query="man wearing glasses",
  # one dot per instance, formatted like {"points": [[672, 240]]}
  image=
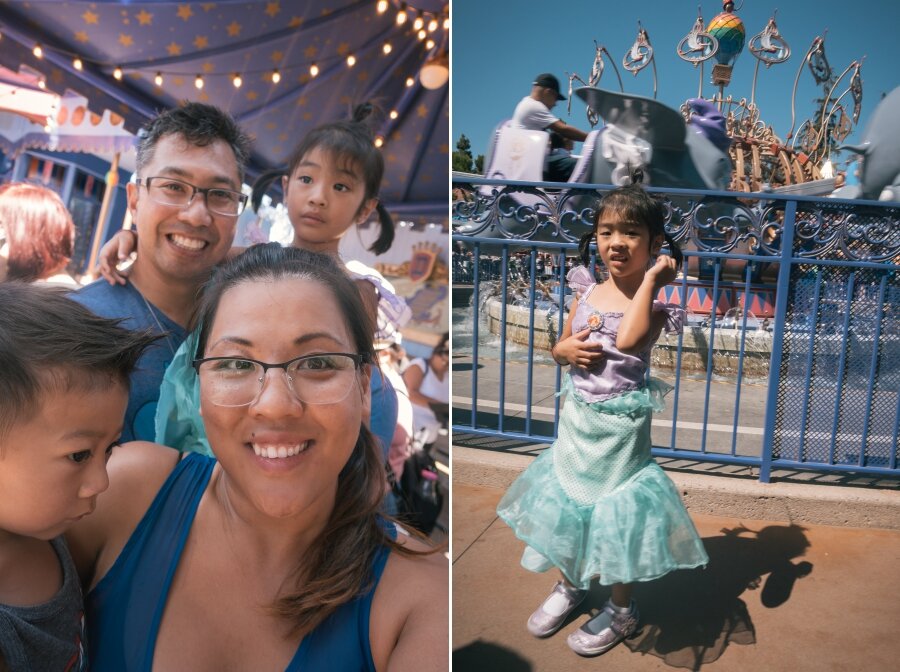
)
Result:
{"points": [[184, 204]]}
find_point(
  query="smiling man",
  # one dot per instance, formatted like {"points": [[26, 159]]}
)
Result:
{"points": [[185, 204]]}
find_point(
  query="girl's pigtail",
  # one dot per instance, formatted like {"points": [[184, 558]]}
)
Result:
{"points": [[386, 236], [674, 248], [584, 249], [362, 112], [262, 184]]}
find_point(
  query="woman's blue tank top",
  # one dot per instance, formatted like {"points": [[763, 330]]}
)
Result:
{"points": [[124, 609]]}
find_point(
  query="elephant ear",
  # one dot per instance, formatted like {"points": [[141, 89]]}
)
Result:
{"points": [[648, 119]]}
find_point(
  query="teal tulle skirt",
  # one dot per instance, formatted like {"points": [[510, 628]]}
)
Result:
{"points": [[595, 505]]}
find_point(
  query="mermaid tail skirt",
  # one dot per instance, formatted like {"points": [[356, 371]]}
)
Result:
{"points": [[596, 505]]}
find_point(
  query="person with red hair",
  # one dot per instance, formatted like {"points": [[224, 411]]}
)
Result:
{"points": [[38, 234]]}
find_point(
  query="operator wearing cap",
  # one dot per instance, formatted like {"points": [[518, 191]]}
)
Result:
{"points": [[533, 113]]}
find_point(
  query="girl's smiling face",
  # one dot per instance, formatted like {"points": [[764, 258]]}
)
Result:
{"points": [[324, 197]]}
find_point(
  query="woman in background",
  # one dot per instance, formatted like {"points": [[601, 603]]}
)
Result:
{"points": [[39, 234], [428, 389]]}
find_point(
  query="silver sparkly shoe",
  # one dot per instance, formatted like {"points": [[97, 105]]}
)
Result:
{"points": [[604, 631], [548, 617]]}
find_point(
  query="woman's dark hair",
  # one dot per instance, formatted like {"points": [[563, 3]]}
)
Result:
{"points": [[336, 569], [352, 144], [442, 344], [633, 204]]}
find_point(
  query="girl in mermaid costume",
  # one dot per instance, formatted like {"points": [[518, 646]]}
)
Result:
{"points": [[596, 504]]}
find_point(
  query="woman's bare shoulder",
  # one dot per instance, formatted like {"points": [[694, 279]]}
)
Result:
{"points": [[136, 473], [411, 610]]}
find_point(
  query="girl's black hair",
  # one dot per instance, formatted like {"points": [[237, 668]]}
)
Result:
{"points": [[633, 204], [351, 142]]}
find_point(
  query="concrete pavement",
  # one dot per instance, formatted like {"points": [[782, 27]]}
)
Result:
{"points": [[776, 596]]}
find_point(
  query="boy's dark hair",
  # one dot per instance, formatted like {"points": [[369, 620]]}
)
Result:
{"points": [[200, 125], [49, 342], [634, 204], [352, 144]]}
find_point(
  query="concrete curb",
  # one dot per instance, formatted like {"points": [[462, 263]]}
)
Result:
{"points": [[721, 495]]}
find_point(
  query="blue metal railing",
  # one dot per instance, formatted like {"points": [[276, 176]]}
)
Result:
{"points": [[814, 386]]}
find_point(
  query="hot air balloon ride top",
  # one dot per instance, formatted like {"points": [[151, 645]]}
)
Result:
{"points": [[728, 29]]}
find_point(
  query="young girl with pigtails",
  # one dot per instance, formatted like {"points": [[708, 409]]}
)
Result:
{"points": [[331, 184], [596, 505]]}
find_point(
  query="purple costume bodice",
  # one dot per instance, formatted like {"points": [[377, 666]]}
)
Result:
{"points": [[617, 372]]}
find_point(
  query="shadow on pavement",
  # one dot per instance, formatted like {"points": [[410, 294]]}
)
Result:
{"points": [[688, 618], [489, 657]]}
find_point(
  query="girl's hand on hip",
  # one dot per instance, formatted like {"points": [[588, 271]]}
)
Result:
{"points": [[578, 351], [663, 271]]}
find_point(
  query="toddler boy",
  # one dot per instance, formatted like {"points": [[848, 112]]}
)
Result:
{"points": [[63, 391]]}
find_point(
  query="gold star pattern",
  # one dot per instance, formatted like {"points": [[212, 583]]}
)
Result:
{"points": [[311, 51], [343, 48], [391, 158], [444, 148], [277, 56], [208, 6], [124, 109], [346, 100], [396, 136], [326, 11], [178, 81], [126, 40], [271, 125], [201, 42], [307, 116], [203, 97], [295, 22], [56, 76], [304, 78], [174, 49], [301, 101], [363, 76], [185, 12], [277, 150], [422, 111], [208, 67], [282, 137], [82, 36], [252, 95], [90, 18], [426, 178], [144, 17], [272, 8], [234, 29]]}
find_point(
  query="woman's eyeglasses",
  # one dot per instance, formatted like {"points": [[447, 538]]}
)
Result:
{"points": [[324, 378]]}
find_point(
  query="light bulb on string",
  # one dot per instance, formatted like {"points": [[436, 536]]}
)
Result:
{"points": [[198, 81], [37, 50], [446, 23], [236, 80], [432, 25], [419, 22], [421, 34], [158, 80], [117, 73], [379, 141], [429, 45], [313, 70], [77, 64], [42, 84], [410, 81], [401, 14], [351, 61], [394, 114], [276, 76], [387, 48], [382, 6]]}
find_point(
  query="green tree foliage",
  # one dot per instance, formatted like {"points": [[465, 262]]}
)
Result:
{"points": [[462, 158]]}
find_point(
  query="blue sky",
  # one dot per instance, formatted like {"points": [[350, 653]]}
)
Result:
{"points": [[500, 45]]}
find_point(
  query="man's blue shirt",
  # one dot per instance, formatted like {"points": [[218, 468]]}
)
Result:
{"points": [[127, 303]]}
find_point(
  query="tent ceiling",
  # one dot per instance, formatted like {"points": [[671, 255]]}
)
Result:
{"points": [[217, 40]]}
